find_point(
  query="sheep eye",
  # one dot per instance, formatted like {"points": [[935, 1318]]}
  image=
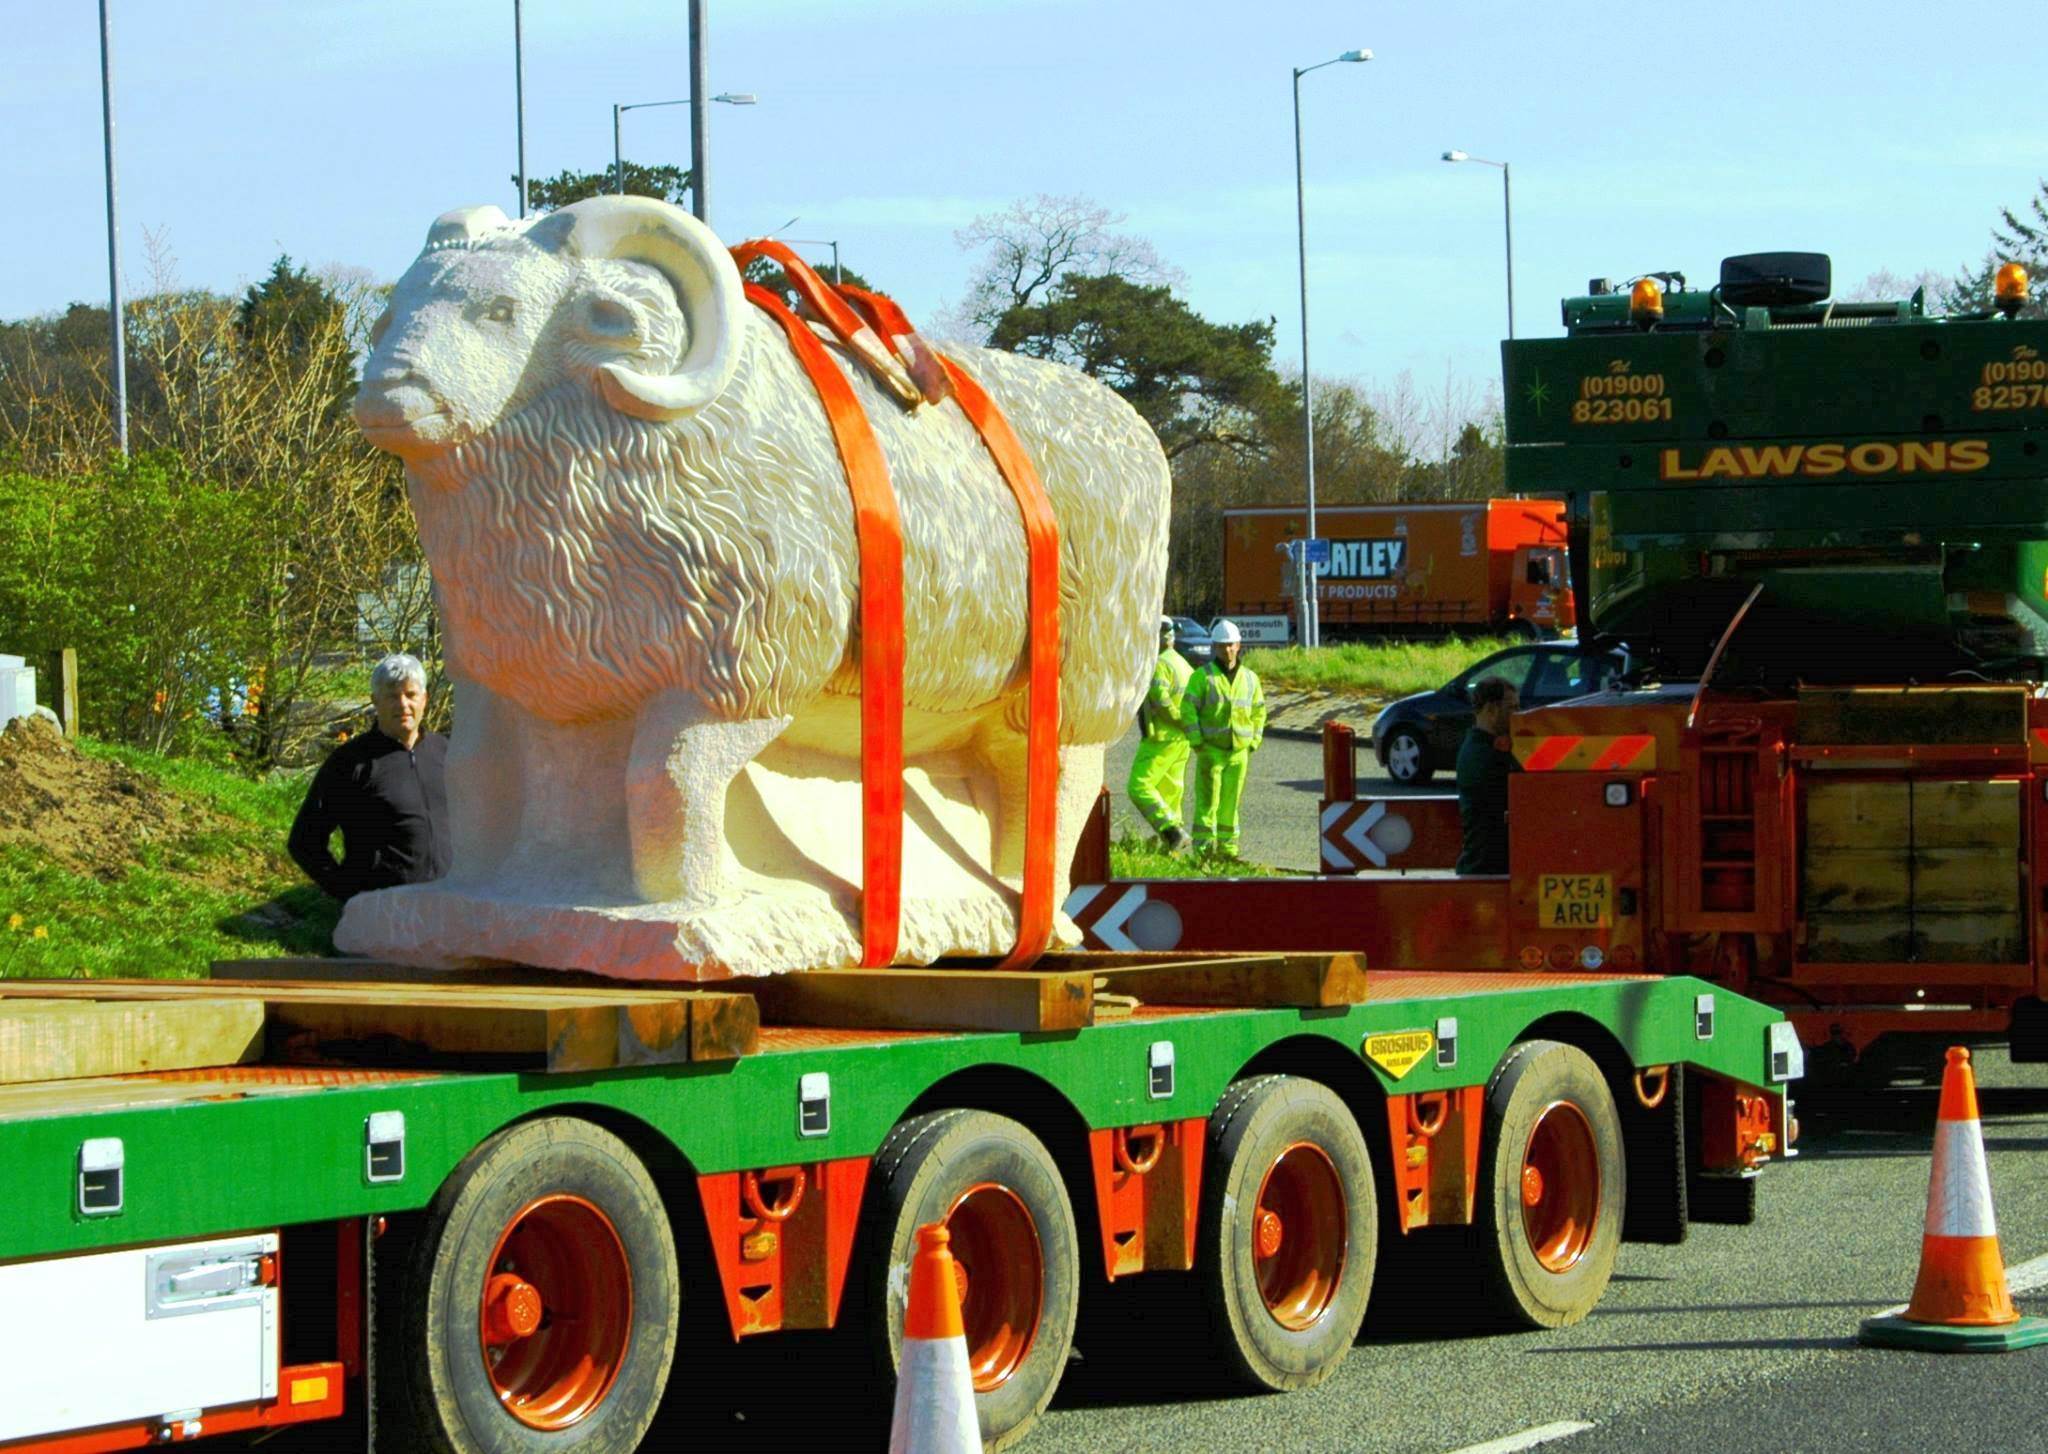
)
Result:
{"points": [[500, 311]]}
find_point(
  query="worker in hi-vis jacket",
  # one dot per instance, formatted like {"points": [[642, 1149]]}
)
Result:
{"points": [[1159, 770], [1224, 708]]}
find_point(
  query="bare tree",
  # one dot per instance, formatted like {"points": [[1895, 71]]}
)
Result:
{"points": [[1034, 242], [327, 544], [1886, 286]]}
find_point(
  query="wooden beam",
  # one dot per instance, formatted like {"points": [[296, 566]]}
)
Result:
{"points": [[927, 999], [555, 1028], [66, 1039], [301, 969], [1250, 981]]}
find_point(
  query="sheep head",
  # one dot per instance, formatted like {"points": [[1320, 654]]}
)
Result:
{"points": [[625, 294]]}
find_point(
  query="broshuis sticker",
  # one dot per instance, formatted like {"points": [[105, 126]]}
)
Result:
{"points": [[1400, 1052]]}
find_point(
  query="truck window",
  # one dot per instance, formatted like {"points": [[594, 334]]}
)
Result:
{"points": [[1543, 569]]}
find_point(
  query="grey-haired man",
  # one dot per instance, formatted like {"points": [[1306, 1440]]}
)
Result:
{"points": [[386, 790]]}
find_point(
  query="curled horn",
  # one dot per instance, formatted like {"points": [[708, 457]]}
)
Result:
{"points": [[465, 224], [707, 284]]}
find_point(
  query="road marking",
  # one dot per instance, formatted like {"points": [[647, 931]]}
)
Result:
{"points": [[2025, 1277], [1528, 1438], [2028, 1275]]}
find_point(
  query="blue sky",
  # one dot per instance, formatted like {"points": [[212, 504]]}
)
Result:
{"points": [[1642, 136]]}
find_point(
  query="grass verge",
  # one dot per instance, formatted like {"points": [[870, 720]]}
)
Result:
{"points": [[1142, 856], [1372, 669], [227, 891]]}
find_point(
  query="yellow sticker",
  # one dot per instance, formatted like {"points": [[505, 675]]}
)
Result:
{"points": [[1575, 901], [1400, 1052]]}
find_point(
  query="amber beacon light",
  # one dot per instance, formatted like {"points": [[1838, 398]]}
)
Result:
{"points": [[1646, 303], [2010, 288]]}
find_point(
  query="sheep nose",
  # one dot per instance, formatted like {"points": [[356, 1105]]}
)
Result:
{"points": [[391, 401]]}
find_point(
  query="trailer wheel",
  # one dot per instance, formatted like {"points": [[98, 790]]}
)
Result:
{"points": [[1290, 1231], [998, 1191], [1408, 757], [535, 1308], [1553, 1172]]}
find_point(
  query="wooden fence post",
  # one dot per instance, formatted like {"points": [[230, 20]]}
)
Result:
{"points": [[67, 691]]}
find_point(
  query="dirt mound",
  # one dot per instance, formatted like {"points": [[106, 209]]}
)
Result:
{"points": [[88, 814]]}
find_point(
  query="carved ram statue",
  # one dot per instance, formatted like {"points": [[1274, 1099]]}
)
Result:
{"points": [[643, 544]]}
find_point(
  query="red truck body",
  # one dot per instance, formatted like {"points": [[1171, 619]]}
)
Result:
{"points": [[1472, 569], [1872, 861]]}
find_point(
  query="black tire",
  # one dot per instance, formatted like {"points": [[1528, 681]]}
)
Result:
{"points": [[1657, 1205], [925, 1168], [435, 1381], [1295, 1144], [1547, 1269], [1407, 757], [1726, 1201]]}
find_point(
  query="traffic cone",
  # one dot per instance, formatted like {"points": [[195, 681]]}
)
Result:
{"points": [[934, 1386], [1960, 1300]]}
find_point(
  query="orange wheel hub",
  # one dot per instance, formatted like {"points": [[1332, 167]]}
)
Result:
{"points": [[1560, 1186], [1000, 1269], [556, 1315], [512, 1309], [1301, 1215]]}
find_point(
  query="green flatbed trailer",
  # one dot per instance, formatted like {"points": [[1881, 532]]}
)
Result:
{"points": [[509, 1255]]}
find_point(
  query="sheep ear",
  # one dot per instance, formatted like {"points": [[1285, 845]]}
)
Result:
{"points": [[464, 224], [707, 286]]}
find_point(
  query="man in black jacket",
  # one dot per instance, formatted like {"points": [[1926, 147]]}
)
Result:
{"points": [[386, 790]]}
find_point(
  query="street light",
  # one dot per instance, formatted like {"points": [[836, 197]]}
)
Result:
{"points": [[1311, 627], [730, 98], [831, 242], [1507, 202], [116, 325]]}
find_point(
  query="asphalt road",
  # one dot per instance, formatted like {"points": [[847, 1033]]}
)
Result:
{"points": [[1278, 818], [1741, 1339]]}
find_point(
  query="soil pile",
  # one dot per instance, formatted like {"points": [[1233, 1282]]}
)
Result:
{"points": [[87, 814]]}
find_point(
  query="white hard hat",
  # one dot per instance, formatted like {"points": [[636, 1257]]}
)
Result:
{"points": [[1225, 633], [1166, 626]]}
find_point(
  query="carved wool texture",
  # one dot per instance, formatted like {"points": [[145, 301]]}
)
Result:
{"points": [[588, 560]]}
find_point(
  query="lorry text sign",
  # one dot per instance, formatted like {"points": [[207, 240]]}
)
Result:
{"points": [[1366, 560], [1818, 461]]}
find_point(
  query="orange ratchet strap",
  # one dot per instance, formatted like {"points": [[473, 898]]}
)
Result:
{"points": [[878, 529], [881, 336], [1042, 741]]}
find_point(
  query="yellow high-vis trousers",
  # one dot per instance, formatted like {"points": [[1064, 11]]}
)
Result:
{"points": [[1158, 782], [1219, 787]]}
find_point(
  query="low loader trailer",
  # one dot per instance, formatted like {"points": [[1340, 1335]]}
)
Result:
{"points": [[504, 1210]]}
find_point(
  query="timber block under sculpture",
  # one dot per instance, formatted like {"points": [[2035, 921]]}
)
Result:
{"points": [[643, 547]]}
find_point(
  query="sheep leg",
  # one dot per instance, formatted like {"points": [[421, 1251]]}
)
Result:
{"points": [[1081, 769], [678, 769], [486, 775]]}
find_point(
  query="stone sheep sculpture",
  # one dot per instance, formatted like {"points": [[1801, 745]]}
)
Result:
{"points": [[643, 546]]}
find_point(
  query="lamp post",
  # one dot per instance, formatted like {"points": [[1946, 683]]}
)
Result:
{"points": [[519, 96], [1311, 623], [730, 98], [1507, 202], [117, 326], [831, 242]]}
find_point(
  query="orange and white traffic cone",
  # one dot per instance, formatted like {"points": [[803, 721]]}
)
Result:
{"points": [[934, 1385], [1960, 1300]]}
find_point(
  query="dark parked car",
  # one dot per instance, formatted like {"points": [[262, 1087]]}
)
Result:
{"points": [[1418, 735], [1191, 640]]}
